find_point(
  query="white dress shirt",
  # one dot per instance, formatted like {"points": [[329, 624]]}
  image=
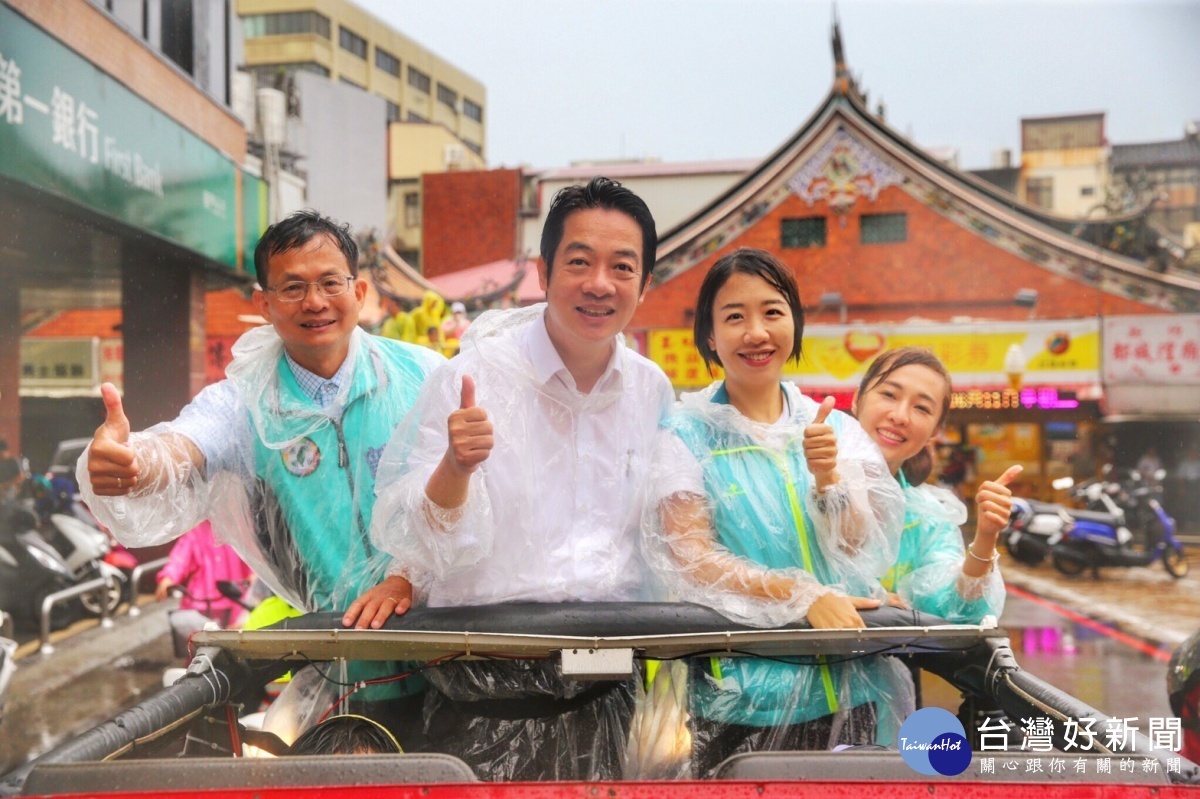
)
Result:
{"points": [[553, 514]]}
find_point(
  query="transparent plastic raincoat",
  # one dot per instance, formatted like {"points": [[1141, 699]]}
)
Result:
{"points": [[928, 573], [551, 516], [288, 484], [734, 522]]}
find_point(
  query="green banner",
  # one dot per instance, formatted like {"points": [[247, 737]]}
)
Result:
{"points": [[254, 216], [72, 130]]}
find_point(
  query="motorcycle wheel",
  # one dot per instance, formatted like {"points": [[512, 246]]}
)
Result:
{"points": [[62, 615], [111, 595], [1021, 550], [1175, 561], [1070, 562]]}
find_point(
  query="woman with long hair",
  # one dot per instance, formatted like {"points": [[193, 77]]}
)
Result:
{"points": [[902, 403]]}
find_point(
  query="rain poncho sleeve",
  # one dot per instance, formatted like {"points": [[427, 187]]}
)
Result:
{"points": [[928, 574], [552, 515], [289, 484], [430, 542], [734, 521], [177, 499]]}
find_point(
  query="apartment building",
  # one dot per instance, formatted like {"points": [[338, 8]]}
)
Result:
{"points": [[340, 41]]}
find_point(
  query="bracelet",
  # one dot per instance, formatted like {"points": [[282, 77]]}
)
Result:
{"points": [[995, 557], [831, 500]]}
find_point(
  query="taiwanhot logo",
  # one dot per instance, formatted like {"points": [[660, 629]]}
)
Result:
{"points": [[932, 741]]}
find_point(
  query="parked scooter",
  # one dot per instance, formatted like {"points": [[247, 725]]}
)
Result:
{"points": [[1133, 530], [30, 569], [86, 549], [8, 664], [1034, 527]]}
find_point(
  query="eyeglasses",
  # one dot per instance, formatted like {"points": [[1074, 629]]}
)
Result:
{"points": [[297, 290]]}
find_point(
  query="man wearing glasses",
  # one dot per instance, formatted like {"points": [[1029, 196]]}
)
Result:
{"points": [[282, 454]]}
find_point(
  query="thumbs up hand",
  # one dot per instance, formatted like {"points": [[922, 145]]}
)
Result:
{"points": [[820, 447], [993, 504], [112, 464], [470, 432]]}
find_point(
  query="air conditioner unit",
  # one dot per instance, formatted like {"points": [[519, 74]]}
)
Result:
{"points": [[453, 156]]}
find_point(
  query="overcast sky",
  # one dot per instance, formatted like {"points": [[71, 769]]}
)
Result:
{"points": [[684, 80]]}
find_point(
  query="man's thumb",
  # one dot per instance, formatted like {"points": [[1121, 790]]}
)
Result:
{"points": [[114, 413], [824, 411], [468, 392]]}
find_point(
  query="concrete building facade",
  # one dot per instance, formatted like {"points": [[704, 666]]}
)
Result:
{"points": [[1064, 164], [338, 40]]}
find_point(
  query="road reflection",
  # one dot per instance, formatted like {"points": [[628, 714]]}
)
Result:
{"points": [[1117, 674]]}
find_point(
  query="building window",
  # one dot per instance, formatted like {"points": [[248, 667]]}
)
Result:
{"points": [[418, 79], [1087, 191], [412, 209], [352, 43], [447, 96], [276, 76], [393, 112], [884, 228], [472, 110], [414, 117], [473, 147], [807, 232], [387, 62], [285, 24], [1040, 192]]}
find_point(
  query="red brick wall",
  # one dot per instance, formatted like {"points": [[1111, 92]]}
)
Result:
{"points": [[469, 219], [941, 271]]}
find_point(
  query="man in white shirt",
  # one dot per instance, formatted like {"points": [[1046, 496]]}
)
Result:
{"points": [[518, 478]]}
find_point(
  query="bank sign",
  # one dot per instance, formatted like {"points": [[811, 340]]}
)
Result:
{"points": [[72, 130]]}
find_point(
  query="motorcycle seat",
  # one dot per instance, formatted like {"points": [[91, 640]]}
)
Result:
{"points": [[1097, 516]]}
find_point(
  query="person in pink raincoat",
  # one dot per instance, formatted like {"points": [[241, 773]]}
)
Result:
{"points": [[197, 562]]}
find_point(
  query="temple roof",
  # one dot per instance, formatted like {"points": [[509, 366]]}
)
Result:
{"points": [[1111, 253]]}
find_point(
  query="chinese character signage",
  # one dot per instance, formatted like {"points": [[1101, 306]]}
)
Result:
{"points": [[72, 130], [674, 352], [1152, 349], [834, 357], [933, 742]]}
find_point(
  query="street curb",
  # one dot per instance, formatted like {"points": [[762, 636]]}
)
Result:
{"points": [[89, 650], [1153, 631]]}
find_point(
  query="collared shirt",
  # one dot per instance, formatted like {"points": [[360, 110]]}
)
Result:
{"points": [[321, 391], [553, 513], [216, 420], [548, 364]]}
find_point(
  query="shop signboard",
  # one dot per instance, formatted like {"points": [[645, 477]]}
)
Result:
{"points": [[69, 367], [70, 129], [980, 356], [1158, 350], [59, 366]]}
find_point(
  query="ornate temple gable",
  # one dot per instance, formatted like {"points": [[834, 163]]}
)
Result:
{"points": [[844, 157], [841, 171]]}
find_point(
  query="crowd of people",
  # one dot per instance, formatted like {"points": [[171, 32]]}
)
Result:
{"points": [[548, 462]]}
